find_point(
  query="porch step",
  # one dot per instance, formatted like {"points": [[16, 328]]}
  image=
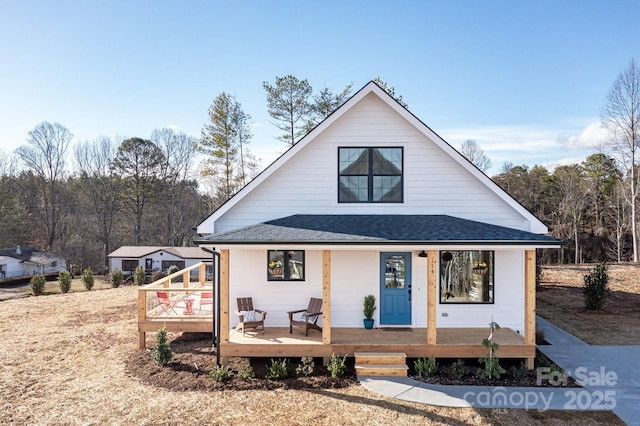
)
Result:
{"points": [[381, 364]]}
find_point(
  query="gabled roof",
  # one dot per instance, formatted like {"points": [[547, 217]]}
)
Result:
{"points": [[29, 254], [141, 251], [536, 225], [25, 252], [379, 229]]}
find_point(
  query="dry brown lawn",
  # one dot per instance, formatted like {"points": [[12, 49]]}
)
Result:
{"points": [[560, 300], [63, 359]]}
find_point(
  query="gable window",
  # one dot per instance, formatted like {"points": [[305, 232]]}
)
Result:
{"points": [[466, 276], [370, 175], [285, 265]]}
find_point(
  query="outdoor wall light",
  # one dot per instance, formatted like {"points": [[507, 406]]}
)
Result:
{"points": [[422, 254]]}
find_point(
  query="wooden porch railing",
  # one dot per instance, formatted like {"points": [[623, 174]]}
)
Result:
{"points": [[182, 301]]}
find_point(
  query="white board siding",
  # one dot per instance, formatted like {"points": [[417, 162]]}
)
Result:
{"points": [[13, 267], [116, 262], [355, 274], [508, 307], [248, 278], [433, 182]]}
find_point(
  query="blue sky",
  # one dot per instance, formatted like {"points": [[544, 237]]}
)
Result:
{"points": [[525, 79]]}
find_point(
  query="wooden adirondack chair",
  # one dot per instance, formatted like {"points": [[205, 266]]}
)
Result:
{"points": [[309, 317], [249, 318]]}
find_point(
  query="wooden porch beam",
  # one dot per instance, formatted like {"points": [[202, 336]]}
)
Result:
{"points": [[224, 296], [326, 297], [432, 282], [530, 301]]}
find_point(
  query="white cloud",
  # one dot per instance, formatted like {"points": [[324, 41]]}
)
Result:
{"points": [[590, 137], [495, 139], [551, 165], [531, 145]]}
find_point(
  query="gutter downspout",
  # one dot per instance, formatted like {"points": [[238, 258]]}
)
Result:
{"points": [[215, 320]]}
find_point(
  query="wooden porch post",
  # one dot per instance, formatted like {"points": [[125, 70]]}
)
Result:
{"points": [[224, 296], [530, 301], [326, 297], [432, 282], [201, 273], [142, 316]]}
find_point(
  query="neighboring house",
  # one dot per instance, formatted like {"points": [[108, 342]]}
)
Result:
{"points": [[24, 261], [155, 258], [372, 201]]}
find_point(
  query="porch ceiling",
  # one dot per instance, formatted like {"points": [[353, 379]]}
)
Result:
{"points": [[377, 229]]}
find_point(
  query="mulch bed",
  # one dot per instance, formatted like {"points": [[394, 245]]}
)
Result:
{"points": [[193, 359]]}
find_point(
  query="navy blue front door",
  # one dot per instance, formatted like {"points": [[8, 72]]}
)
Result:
{"points": [[395, 288]]}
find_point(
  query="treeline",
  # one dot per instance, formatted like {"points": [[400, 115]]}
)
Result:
{"points": [[593, 205], [583, 204], [85, 202]]}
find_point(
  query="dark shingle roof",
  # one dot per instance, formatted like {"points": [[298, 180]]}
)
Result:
{"points": [[25, 253], [378, 229]]}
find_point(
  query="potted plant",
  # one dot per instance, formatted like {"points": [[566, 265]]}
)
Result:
{"points": [[479, 267], [369, 309], [275, 267]]}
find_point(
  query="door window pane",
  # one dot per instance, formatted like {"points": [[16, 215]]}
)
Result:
{"points": [[395, 271]]}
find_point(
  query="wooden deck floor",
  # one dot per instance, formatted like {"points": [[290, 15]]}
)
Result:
{"points": [[451, 343]]}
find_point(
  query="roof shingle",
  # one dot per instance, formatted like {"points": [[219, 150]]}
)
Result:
{"points": [[380, 229]]}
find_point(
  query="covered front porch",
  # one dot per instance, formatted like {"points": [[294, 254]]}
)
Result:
{"points": [[414, 341]]}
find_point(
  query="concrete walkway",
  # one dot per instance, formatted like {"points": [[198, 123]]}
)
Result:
{"points": [[610, 378], [611, 372]]}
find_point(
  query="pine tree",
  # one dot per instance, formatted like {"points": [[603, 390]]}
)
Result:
{"points": [[161, 350]]}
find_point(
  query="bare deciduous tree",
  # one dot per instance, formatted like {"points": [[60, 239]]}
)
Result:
{"points": [[472, 152], [45, 155], [5, 163], [176, 178], [574, 197], [620, 116], [99, 183]]}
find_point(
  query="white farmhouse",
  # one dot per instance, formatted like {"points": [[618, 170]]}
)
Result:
{"points": [[372, 201]]}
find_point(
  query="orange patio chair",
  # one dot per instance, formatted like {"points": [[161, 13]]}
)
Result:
{"points": [[168, 304], [206, 298]]}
